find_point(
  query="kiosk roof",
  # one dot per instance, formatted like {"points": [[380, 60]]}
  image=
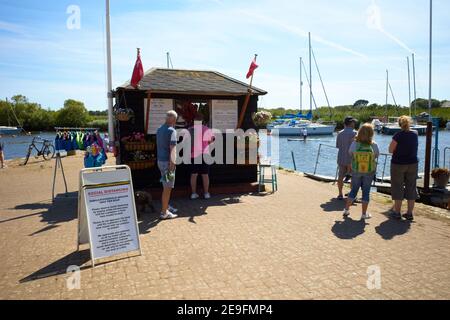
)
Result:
{"points": [[200, 82]]}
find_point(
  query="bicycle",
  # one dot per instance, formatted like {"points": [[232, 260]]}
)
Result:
{"points": [[47, 150]]}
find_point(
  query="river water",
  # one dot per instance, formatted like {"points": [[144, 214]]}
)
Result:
{"points": [[305, 153]]}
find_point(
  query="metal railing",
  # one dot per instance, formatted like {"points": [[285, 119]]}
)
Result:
{"points": [[386, 156], [435, 152], [446, 164], [318, 155], [383, 158]]}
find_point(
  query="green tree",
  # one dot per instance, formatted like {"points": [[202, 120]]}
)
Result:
{"points": [[73, 114], [361, 103]]}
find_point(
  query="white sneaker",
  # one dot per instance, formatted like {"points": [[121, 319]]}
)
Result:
{"points": [[207, 195], [194, 196], [346, 213], [172, 209], [167, 215], [366, 216]]}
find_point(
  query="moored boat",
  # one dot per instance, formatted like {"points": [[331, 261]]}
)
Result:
{"points": [[296, 128], [4, 130]]}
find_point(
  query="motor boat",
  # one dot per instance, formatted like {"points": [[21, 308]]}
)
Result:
{"points": [[377, 125], [392, 127], [4, 130]]}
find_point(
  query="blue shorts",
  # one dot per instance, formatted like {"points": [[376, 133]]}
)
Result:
{"points": [[163, 168], [363, 181]]}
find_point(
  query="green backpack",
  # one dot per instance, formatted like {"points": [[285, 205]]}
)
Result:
{"points": [[363, 159]]}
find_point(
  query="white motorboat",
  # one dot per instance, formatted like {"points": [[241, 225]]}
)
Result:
{"points": [[4, 130], [377, 125], [392, 127]]}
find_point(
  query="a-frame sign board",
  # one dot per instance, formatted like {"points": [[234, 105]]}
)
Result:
{"points": [[107, 217]]}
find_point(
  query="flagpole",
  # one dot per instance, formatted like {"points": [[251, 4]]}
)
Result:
{"points": [[109, 76], [251, 79], [247, 100]]}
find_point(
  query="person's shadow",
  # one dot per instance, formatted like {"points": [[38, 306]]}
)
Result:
{"points": [[349, 228], [391, 228], [333, 205]]}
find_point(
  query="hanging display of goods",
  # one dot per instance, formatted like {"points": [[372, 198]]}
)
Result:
{"points": [[124, 114], [141, 165]]}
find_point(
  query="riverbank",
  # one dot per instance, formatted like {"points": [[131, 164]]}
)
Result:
{"points": [[293, 244]]}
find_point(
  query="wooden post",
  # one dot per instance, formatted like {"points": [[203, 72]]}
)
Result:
{"points": [[246, 101], [147, 117], [426, 183]]}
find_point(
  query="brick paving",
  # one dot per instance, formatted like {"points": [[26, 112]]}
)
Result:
{"points": [[290, 245]]}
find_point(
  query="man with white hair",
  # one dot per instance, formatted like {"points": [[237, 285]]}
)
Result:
{"points": [[166, 141]]}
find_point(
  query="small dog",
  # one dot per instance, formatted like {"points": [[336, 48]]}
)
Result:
{"points": [[143, 201]]}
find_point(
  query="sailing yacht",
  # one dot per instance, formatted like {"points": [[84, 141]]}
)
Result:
{"points": [[392, 127], [301, 124]]}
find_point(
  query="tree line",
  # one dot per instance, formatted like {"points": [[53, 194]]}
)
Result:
{"points": [[19, 111], [33, 117]]}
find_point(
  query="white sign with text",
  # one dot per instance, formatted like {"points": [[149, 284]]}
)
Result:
{"points": [[157, 116], [111, 220], [224, 114], [107, 217]]}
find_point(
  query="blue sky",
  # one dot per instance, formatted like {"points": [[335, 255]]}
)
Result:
{"points": [[355, 41]]}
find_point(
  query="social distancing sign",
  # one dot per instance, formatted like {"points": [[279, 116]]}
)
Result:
{"points": [[107, 219]]}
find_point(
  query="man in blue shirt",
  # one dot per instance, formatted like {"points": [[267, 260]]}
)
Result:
{"points": [[343, 141], [166, 141]]}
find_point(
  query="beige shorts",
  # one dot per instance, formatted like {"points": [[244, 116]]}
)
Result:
{"points": [[404, 181]]}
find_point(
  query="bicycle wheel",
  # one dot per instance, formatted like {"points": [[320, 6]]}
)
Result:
{"points": [[27, 157], [48, 152]]}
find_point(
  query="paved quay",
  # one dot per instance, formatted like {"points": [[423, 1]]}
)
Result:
{"points": [[293, 244]]}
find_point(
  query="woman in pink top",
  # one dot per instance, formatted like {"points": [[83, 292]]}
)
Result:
{"points": [[201, 137]]}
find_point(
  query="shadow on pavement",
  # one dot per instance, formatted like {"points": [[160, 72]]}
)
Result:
{"points": [[77, 258], [186, 209], [64, 209], [333, 205], [349, 228], [391, 228]]}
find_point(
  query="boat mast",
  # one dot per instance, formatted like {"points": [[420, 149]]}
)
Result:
{"points": [[321, 81], [109, 76], [414, 82], [310, 74], [307, 81], [387, 94], [409, 86], [169, 61], [301, 87]]}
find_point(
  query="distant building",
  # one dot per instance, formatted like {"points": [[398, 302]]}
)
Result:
{"points": [[446, 104]]}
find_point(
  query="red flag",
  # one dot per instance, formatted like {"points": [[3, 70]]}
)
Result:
{"points": [[138, 72], [252, 68]]}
